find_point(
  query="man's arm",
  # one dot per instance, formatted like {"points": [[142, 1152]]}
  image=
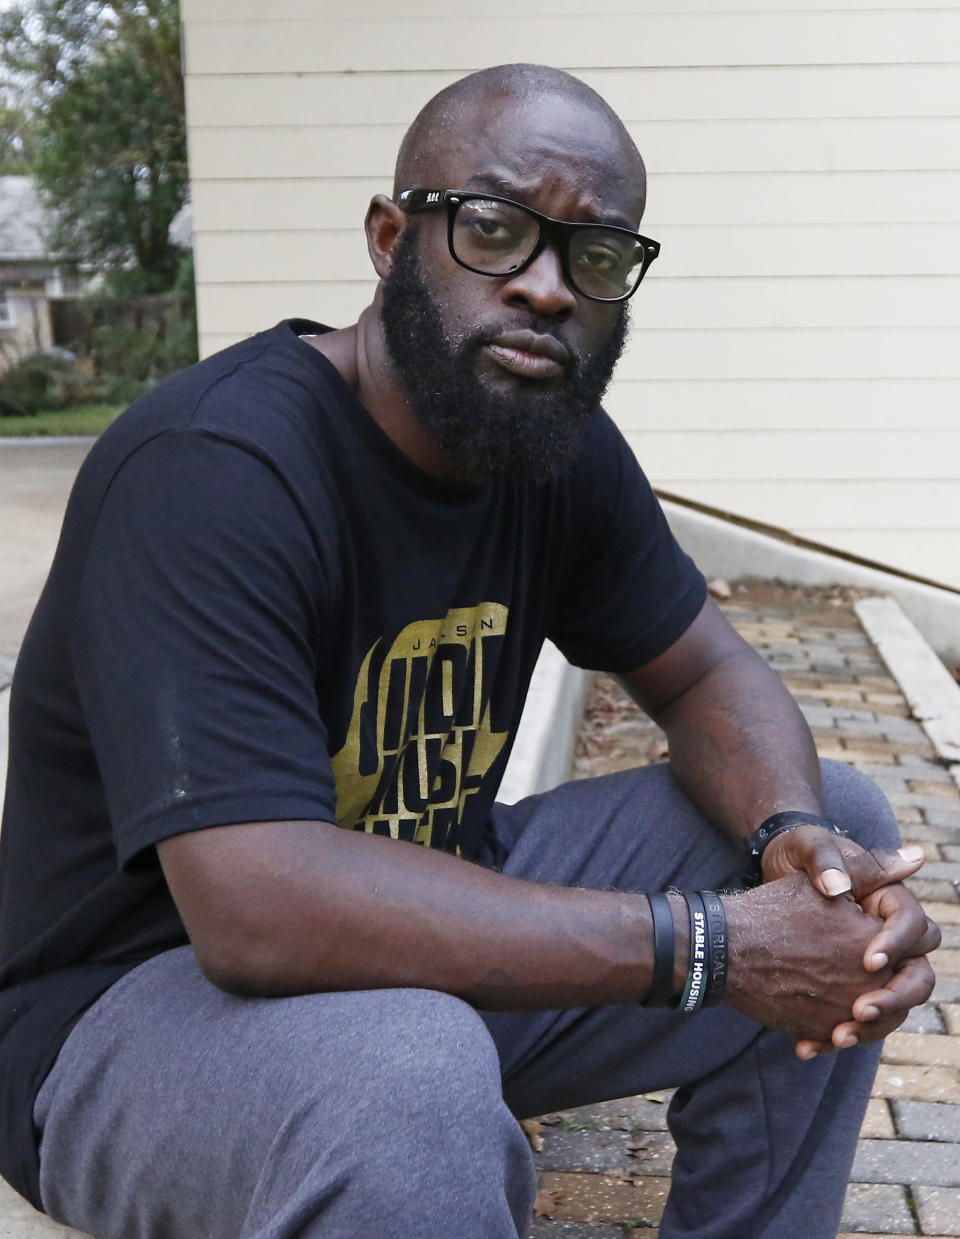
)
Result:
{"points": [[291, 907], [739, 746], [742, 751]]}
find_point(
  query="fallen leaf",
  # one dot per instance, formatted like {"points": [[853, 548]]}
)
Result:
{"points": [[546, 1203], [659, 1098], [533, 1130], [719, 588]]}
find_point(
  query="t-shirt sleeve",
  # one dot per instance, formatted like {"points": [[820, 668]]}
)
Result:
{"points": [[193, 645], [629, 590]]}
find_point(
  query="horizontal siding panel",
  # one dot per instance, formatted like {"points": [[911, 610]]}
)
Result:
{"points": [[818, 249], [745, 92], [239, 257], [213, 341], [908, 197], [769, 404], [931, 553], [931, 353], [277, 205], [897, 145], [801, 301], [816, 505], [713, 198], [288, 10], [672, 303], [247, 308], [800, 455], [878, 250], [416, 43]]}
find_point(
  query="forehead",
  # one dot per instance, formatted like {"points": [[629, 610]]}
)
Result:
{"points": [[558, 155]]}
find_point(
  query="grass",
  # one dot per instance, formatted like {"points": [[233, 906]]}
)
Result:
{"points": [[88, 419]]}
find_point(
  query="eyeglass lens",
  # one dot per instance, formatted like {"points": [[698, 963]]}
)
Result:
{"points": [[497, 238]]}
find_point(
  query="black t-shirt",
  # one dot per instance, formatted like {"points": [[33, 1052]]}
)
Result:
{"points": [[261, 610]]}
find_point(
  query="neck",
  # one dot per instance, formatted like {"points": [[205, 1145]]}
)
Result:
{"points": [[360, 354]]}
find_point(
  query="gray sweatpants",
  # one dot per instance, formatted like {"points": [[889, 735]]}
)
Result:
{"points": [[176, 1111]]}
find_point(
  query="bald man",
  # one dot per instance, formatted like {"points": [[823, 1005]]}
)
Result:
{"points": [[275, 962]]}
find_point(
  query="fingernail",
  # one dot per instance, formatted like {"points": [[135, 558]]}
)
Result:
{"points": [[868, 1014], [850, 1040], [911, 854], [835, 881], [806, 1052], [880, 960]]}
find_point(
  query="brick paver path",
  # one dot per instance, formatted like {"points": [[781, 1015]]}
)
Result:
{"points": [[604, 1169]]}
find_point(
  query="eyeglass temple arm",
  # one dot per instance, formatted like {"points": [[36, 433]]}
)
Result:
{"points": [[417, 199]]}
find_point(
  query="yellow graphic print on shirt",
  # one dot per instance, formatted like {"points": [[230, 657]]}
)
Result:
{"points": [[420, 739]]}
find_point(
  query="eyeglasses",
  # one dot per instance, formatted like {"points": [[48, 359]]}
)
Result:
{"points": [[496, 236]]}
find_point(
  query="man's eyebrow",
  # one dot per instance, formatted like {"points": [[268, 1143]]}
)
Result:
{"points": [[494, 185], [519, 193]]}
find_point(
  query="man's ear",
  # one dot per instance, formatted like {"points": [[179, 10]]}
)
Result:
{"points": [[383, 225]]}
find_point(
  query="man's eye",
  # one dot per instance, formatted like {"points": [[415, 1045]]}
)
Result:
{"points": [[598, 258], [489, 229]]}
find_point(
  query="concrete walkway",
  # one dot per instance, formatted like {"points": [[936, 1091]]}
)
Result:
{"points": [[604, 1169], [35, 479]]}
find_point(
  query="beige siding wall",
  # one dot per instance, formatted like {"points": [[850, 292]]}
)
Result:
{"points": [[796, 348]]}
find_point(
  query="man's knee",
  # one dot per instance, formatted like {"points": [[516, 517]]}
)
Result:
{"points": [[429, 1143], [434, 1050], [855, 802]]}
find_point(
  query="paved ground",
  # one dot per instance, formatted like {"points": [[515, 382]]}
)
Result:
{"points": [[604, 1169], [35, 479]]}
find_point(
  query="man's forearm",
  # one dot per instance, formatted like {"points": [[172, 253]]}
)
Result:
{"points": [[294, 907], [740, 747], [276, 908]]}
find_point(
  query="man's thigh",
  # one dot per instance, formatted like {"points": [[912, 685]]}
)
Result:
{"points": [[177, 1110]]}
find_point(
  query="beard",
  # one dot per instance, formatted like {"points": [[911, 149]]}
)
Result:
{"points": [[530, 434]]}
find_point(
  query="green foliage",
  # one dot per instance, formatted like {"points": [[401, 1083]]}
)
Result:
{"points": [[17, 141], [85, 420], [42, 382], [126, 346], [106, 102], [142, 339]]}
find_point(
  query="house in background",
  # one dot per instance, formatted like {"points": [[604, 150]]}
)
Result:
{"points": [[31, 280], [795, 355]]}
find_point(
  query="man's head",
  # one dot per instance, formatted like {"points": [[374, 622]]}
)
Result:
{"points": [[504, 371]]}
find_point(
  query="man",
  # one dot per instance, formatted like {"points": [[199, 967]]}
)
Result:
{"points": [[302, 587]]}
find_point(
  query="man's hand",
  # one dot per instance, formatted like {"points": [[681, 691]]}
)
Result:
{"points": [[835, 866], [797, 957]]}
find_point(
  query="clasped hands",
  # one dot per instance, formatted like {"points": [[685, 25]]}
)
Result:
{"points": [[860, 962]]}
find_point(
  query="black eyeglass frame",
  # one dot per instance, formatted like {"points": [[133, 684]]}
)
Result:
{"points": [[559, 231]]}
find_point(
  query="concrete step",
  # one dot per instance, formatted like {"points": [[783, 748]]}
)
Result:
{"points": [[19, 1220]]}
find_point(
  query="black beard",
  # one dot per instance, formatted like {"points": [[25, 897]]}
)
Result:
{"points": [[530, 435]]}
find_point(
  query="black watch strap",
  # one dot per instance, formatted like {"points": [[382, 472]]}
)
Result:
{"points": [[779, 824]]}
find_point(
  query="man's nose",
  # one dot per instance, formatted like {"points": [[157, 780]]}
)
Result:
{"points": [[541, 287]]}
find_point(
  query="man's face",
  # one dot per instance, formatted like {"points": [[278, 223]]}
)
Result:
{"points": [[505, 371]]}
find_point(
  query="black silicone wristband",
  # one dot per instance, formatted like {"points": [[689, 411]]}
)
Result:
{"points": [[699, 967], [719, 947], [664, 949]]}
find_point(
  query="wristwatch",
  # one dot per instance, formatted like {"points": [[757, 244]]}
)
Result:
{"points": [[779, 824]]}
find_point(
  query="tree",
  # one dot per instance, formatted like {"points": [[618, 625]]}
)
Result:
{"points": [[105, 97], [16, 140]]}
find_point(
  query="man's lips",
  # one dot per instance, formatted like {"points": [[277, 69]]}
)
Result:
{"points": [[530, 355]]}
